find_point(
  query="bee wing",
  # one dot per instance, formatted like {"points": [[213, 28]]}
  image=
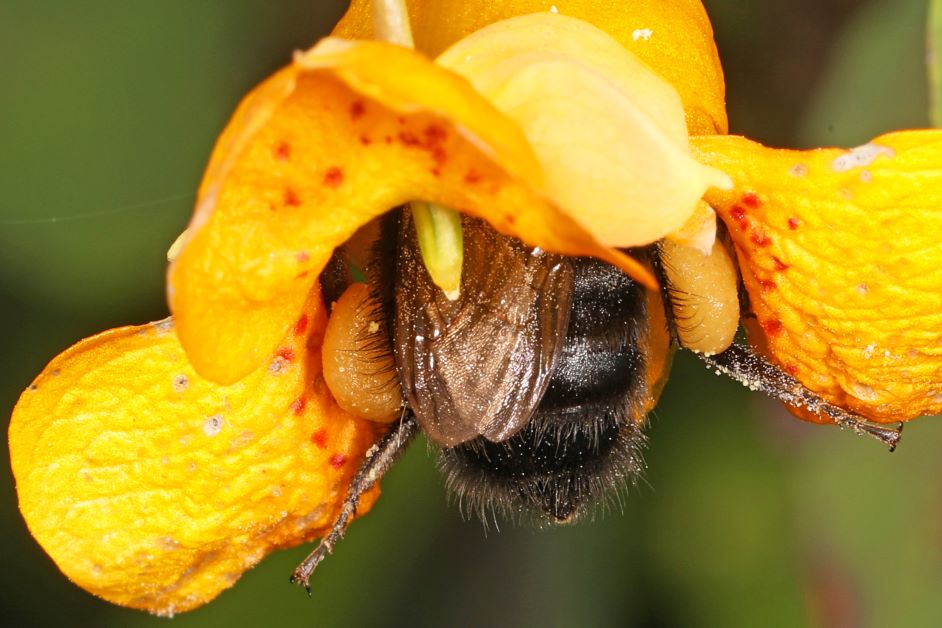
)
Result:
{"points": [[479, 365]]}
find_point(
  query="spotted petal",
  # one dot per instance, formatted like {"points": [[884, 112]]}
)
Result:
{"points": [[153, 488], [841, 252], [346, 133]]}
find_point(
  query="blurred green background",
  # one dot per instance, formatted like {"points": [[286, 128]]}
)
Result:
{"points": [[108, 111]]}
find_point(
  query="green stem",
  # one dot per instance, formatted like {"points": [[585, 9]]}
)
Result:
{"points": [[442, 245]]}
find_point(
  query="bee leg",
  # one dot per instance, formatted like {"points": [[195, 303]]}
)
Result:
{"points": [[756, 373], [379, 459]]}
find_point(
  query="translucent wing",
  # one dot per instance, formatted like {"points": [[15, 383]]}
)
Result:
{"points": [[479, 365]]}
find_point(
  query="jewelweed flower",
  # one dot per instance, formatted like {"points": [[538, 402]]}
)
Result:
{"points": [[839, 252], [156, 464]]}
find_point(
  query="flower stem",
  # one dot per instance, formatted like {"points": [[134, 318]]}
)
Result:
{"points": [[441, 243]]}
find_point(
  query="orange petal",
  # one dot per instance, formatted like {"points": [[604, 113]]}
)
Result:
{"points": [[609, 132], [348, 132], [155, 489], [673, 37], [841, 252]]}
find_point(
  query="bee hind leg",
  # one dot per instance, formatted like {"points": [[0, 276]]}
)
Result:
{"points": [[379, 459], [756, 373]]}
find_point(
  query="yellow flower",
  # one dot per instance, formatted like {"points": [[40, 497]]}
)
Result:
{"points": [[839, 252], [155, 478]]}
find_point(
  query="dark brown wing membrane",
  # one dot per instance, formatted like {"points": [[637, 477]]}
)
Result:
{"points": [[479, 365]]}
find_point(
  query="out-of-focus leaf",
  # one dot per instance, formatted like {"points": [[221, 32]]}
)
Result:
{"points": [[934, 61], [874, 81]]}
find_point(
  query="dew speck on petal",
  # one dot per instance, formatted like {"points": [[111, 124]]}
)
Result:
{"points": [[213, 425], [180, 383], [860, 156], [798, 170], [277, 365]]}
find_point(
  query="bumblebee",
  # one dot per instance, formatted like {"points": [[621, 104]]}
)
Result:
{"points": [[536, 382]]}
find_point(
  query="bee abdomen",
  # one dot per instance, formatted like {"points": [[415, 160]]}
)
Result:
{"points": [[585, 434], [589, 374]]}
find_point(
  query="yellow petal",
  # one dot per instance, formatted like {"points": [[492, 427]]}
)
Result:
{"points": [[155, 489], [674, 37], [841, 252], [609, 132], [348, 132]]}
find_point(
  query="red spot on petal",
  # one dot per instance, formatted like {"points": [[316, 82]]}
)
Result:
{"points": [[282, 151], [357, 109], [366, 141], [388, 139], [751, 200], [760, 239], [767, 285], [435, 134], [773, 327], [407, 138], [791, 369], [286, 352], [779, 264], [793, 223], [338, 460], [303, 257], [738, 214], [291, 198], [472, 177], [298, 405], [301, 326], [319, 438], [333, 177]]}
